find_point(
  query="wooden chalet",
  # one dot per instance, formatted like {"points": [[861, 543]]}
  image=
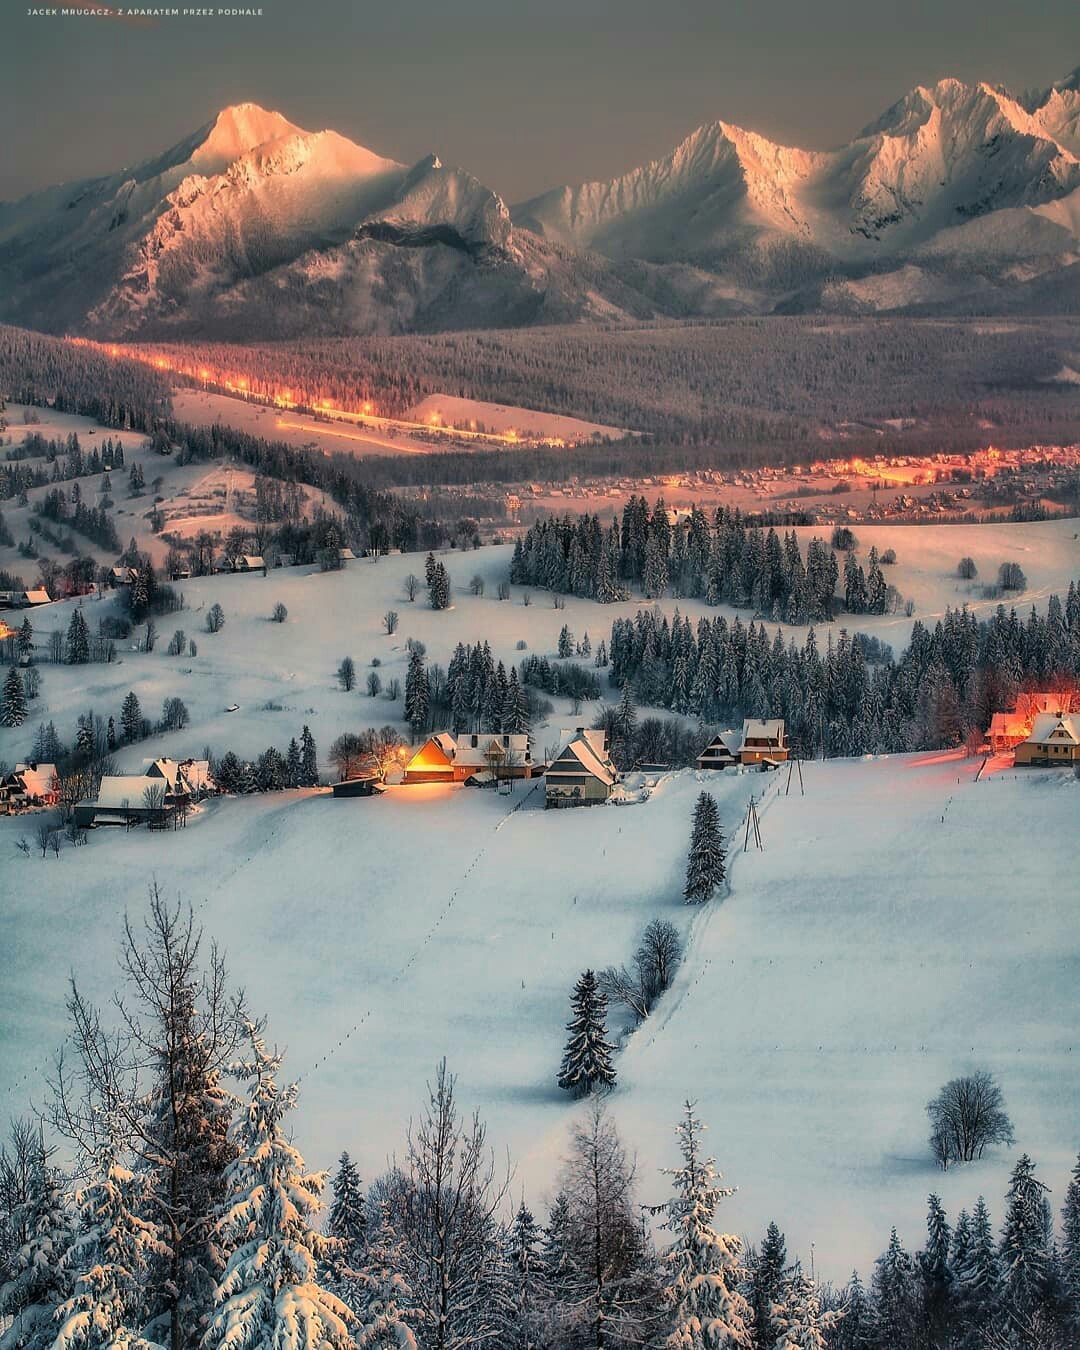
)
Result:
{"points": [[1054, 741], [29, 785], [764, 742], [582, 774], [445, 758], [722, 752]]}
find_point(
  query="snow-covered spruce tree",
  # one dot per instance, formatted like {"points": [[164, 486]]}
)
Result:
{"points": [[309, 759], [347, 1220], [703, 1268], [706, 863], [131, 716], [586, 1062], [269, 1295], [109, 1261], [417, 693], [767, 1274], [855, 1331], [78, 640], [978, 1274], [384, 1299], [38, 1281], [1070, 1244], [802, 1323], [13, 699], [528, 1289], [556, 1250], [897, 1310], [936, 1272], [1024, 1247]]}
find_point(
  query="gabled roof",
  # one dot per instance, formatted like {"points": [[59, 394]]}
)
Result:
{"points": [[763, 729], [1063, 730], [37, 779], [730, 742], [252, 561], [118, 790], [196, 773], [38, 596], [587, 748]]}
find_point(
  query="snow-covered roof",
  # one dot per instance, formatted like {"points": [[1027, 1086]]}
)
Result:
{"points": [[168, 769], [728, 741], [38, 596], [1061, 730], [763, 729], [480, 748], [252, 561], [37, 778], [197, 774], [127, 789], [588, 748]]}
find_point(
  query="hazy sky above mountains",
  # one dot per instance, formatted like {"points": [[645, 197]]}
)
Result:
{"points": [[523, 94]]}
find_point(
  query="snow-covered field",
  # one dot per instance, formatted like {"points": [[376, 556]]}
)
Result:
{"points": [[872, 951]]}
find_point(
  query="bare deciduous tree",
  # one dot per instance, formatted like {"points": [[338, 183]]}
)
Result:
{"points": [[966, 1116], [412, 586], [390, 622]]}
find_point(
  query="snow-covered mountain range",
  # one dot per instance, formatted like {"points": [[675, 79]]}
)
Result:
{"points": [[959, 198]]}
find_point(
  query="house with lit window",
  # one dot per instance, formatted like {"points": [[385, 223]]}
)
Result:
{"points": [[446, 758], [28, 785], [1054, 740], [764, 742], [582, 774]]}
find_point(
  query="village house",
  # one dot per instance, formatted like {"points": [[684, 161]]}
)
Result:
{"points": [[445, 758], [582, 774], [29, 785], [722, 751], [166, 789], [121, 575], [1054, 740], [764, 742], [366, 780], [1009, 729]]}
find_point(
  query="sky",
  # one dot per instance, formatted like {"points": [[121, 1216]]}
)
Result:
{"points": [[525, 95]]}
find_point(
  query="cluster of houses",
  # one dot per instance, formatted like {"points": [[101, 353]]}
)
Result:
{"points": [[29, 785], [159, 797], [1042, 731]]}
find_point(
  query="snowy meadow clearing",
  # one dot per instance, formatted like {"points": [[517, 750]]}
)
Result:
{"points": [[903, 925], [868, 954]]}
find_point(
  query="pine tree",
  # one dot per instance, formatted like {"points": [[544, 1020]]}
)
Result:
{"points": [[293, 770], [37, 1282], [309, 759], [24, 639], [110, 1259], [706, 863], [936, 1270], [269, 1294], [417, 693], [131, 717], [704, 1267], [384, 1300], [347, 1219], [1070, 1246], [526, 1277], [78, 640], [979, 1274], [1024, 1247], [896, 1310], [802, 1323], [856, 1330], [766, 1285], [556, 1250], [13, 706], [586, 1062]]}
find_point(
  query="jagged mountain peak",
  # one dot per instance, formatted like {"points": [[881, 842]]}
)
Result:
{"points": [[236, 131]]}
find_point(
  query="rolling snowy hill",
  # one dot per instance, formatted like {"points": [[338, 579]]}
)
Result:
{"points": [[958, 197]]}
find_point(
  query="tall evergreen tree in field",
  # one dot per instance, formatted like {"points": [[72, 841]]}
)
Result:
{"points": [[309, 759], [24, 639], [131, 717], [37, 1282], [110, 1259], [417, 693], [767, 1278], [706, 863], [586, 1062], [703, 1268], [78, 640], [13, 699], [269, 1294]]}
